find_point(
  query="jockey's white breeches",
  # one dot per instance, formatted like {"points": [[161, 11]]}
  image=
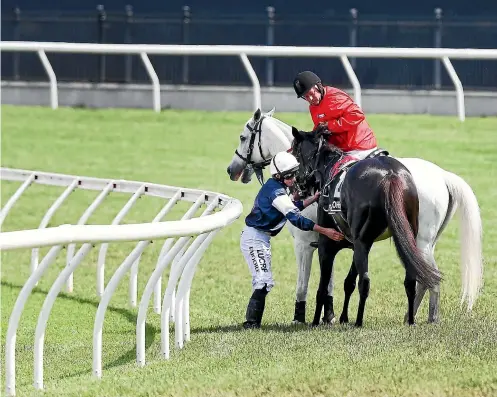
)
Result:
{"points": [[361, 154]]}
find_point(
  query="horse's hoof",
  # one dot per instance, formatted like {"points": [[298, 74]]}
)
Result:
{"points": [[344, 320], [296, 322], [358, 324], [251, 325], [299, 315], [329, 321]]}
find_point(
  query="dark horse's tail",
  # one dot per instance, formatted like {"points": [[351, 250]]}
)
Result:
{"points": [[404, 232]]}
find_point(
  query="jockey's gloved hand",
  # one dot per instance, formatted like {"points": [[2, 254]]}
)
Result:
{"points": [[322, 128]]}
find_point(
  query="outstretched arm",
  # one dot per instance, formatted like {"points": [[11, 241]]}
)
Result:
{"points": [[301, 204], [286, 207]]}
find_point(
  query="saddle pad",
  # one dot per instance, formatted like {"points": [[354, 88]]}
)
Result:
{"points": [[333, 191]]}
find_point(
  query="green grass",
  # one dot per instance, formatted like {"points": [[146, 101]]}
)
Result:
{"points": [[457, 357]]}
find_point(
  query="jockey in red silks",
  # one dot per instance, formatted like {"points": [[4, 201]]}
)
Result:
{"points": [[334, 109]]}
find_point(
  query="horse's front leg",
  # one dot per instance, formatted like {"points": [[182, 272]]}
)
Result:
{"points": [[304, 252], [361, 253], [348, 286], [327, 250]]}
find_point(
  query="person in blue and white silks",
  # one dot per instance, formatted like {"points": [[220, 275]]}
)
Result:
{"points": [[272, 208]]}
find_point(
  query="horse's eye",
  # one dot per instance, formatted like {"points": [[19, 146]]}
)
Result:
{"points": [[243, 138]]}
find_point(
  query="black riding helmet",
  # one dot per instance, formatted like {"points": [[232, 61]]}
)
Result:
{"points": [[304, 82]]}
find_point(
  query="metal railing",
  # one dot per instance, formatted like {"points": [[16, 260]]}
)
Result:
{"points": [[343, 53], [265, 26]]}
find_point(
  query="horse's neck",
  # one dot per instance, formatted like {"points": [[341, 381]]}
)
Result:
{"points": [[326, 163], [284, 128]]}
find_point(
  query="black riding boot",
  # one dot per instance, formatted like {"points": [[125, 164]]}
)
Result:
{"points": [[299, 316], [255, 309], [329, 313]]}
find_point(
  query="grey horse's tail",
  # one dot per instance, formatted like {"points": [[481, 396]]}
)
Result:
{"points": [[471, 237]]}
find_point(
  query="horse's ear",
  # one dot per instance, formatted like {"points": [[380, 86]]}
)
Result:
{"points": [[297, 134], [271, 112], [257, 114]]}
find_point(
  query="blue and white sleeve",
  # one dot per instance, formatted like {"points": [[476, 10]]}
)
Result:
{"points": [[284, 204], [299, 204]]}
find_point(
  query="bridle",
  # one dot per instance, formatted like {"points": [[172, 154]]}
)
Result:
{"points": [[310, 168], [257, 129], [258, 167]]}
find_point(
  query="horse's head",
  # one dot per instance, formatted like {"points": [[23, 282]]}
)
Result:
{"points": [[314, 154], [262, 137]]}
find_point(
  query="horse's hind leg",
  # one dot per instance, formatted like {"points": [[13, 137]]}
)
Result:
{"points": [[420, 293], [436, 208], [434, 305], [410, 286]]}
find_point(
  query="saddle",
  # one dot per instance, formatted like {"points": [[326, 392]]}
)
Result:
{"points": [[332, 190]]}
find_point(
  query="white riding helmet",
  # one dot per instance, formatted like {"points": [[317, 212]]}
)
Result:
{"points": [[283, 164]]}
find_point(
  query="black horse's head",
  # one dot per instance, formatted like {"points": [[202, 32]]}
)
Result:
{"points": [[314, 154]]}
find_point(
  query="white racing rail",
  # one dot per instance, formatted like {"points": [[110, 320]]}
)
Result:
{"points": [[187, 239], [343, 53]]}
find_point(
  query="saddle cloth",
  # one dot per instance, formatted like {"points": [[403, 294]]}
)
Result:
{"points": [[331, 192]]}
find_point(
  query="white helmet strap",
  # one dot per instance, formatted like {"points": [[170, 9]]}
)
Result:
{"points": [[275, 166]]}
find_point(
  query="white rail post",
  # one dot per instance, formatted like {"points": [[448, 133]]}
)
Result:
{"points": [[86, 215], [15, 316], [155, 80], [45, 313], [5, 210], [104, 302], [458, 85], [182, 324], [156, 275], [54, 96], [353, 79], [158, 286], [48, 215], [254, 79], [103, 248]]}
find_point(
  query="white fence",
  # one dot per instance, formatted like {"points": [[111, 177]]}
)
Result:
{"points": [[143, 50], [184, 253]]}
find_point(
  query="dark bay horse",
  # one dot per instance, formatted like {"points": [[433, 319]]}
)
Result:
{"points": [[368, 200]]}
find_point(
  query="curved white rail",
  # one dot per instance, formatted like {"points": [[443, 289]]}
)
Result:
{"points": [[184, 260]]}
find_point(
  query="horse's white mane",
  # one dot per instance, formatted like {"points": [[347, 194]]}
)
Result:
{"points": [[286, 129]]}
